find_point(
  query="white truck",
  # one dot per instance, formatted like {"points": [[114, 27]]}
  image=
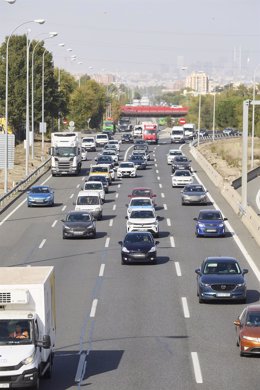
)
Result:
{"points": [[189, 130], [27, 325], [65, 153]]}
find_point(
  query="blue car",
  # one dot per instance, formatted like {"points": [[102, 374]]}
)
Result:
{"points": [[210, 223], [221, 278], [40, 196]]}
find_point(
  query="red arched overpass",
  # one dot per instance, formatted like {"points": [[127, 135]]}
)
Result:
{"points": [[154, 111]]}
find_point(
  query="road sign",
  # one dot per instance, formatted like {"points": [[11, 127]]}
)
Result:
{"points": [[182, 121], [71, 124], [43, 127], [11, 150]]}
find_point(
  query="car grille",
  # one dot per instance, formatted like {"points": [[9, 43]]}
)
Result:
{"points": [[64, 165], [223, 287], [255, 350]]}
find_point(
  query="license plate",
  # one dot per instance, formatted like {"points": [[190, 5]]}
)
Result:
{"points": [[223, 295], [4, 385], [211, 230], [78, 233]]}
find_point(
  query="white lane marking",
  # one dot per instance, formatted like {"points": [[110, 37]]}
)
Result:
{"points": [[78, 186], [162, 195], [158, 178], [126, 152], [19, 205], [196, 367], [257, 200], [71, 196], [155, 165], [177, 268], [168, 222], [237, 240], [102, 270], [119, 185], [156, 171], [114, 207], [83, 178], [155, 161], [64, 208], [116, 196], [107, 242], [172, 241], [42, 243], [54, 223], [165, 206], [93, 308], [185, 307], [160, 185], [111, 222]]}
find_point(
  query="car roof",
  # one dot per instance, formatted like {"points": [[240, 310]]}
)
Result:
{"points": [[255, 307], [146, 208], [141, 197], [221, 259]]}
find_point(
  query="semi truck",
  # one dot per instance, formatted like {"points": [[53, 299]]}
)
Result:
{"points": [[65, 153], [27, 325]]}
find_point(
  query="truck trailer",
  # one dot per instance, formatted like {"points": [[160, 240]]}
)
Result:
{"points": [[27, 325]]}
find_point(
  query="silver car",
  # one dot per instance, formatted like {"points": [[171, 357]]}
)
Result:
{"points": [[194, 194]]}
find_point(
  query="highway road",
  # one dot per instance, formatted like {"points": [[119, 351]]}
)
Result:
{"points": [[140, 327]]}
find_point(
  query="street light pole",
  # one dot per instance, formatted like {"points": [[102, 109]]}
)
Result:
{"points": [[43, 127], [253, 120], [27, 144], [214, 116], [199, 119]]}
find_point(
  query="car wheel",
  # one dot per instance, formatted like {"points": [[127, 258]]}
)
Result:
{"points": [[63, 236], [100, 217], [123, 262], [94, 234], [157, 235], [201, 300]]}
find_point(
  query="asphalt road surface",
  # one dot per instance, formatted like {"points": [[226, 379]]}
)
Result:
{"points": [[138, 327]]}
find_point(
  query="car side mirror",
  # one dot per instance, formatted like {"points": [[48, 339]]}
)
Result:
{"points": [[237, 323], [198, 271], [126, 217], [225, 219], [157, 242], [195, 219], [120, 242], [245, 271], [46, 342]]}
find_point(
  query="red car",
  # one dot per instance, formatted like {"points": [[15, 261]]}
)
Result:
{"points": [[248, 330], [142, 191]]}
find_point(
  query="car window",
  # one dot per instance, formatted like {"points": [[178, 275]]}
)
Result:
{"points": [[221, 268], [253, 319], [88, 200], [133, 238], [142, 214], [78, 218], [210, 216]]}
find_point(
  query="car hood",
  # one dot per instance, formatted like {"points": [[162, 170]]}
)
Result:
{"points": [[211, 221], [252, 331], [78, 224], [39, 195], [223, 279], [142, 220], [140, 246], [192, 193]]}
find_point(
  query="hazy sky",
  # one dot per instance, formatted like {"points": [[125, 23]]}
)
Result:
{"points": [[142, 35]]}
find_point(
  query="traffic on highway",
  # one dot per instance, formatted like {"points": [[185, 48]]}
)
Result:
{"points": [[155, 274]]}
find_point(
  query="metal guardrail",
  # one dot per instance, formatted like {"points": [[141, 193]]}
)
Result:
{"points": [[23, 184], [210, 138], [251, 175]]}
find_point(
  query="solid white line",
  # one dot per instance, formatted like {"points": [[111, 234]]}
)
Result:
{"points": [[107, 242], [93, 308], [162, 195], [102, 270], [242, 248], [196, 367], [116, 195], [160, 185], [185, 307], [169, 222], [165, 206], [111, 222], [177, 268], [45, 181], [42, 243], [64, 208], [172, 241], [71, 196], [126, 152], [114, 207], [54, 223], [257, 199]]}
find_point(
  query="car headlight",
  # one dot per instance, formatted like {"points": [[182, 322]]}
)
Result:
{"points": [[201, 225], [28, 360], [204, 284], [66, 227], [125, 250], [249, 338], [221, 225], [241, 285], [153, 249]]}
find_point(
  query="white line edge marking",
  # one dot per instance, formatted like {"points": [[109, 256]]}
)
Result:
{"points": [[162, 195], [160, 185], [111, 222], [64, 208], [54, 223], [114, 207], [168, 222], [102, 270], [107, 242], [165, 206], [119, 185], [78, 186], [71, 196], [156, 171], [93, 308], [116, 195], [237, 240], [177, 268], [42, 243], [185, 307], [257, 199], [19, 205], [172, 241], [155, 165], [196, 367], [83, 178]]}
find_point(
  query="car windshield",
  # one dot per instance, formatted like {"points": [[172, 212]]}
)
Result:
{"points": [[210, 215], [99, 169], [142, 214], [93, 186], [13, 332], [141, 193], [140, 202], [221, 268], [193, 189], [78, 217], [88, 200], [182, 173], [88, 140], [133, 238], [98, 178], [180, 159], [253, 319], [40, 190], [126, 165], [175, 153]]}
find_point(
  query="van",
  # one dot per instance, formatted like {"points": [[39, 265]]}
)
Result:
{"points": [[177, 135], [101, 139], [91, 202], [89, 143]]}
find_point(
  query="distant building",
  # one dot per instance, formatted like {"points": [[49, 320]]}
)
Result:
{"points": [[105, 79], [198, 82]]}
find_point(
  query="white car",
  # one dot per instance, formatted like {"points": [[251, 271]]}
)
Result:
{"points": [[84, 154], [141, 203], [143, 220], [111, 147], [115, 142], [173, 153], [89, 143], [126, 169], [112, 153], [101, 139], [181, 178], [95, 186]]}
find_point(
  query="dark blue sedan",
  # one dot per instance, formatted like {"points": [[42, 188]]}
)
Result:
{"points": [[139, 161], [221, 278], [210, 223], [40, 196]]}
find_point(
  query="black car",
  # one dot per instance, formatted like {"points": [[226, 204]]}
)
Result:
{"points": [[127, 138], [221, 278], [141, 146], [79, 224], [101, 178], [138, 247], [181, 162], [139, 161]]}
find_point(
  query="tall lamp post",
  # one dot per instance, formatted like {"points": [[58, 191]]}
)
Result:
{"points": [[214, 117], [253, 120], [199, 119], [40, 21]]}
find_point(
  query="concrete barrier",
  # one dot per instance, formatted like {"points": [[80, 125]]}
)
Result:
{"points": [[248, 216]]}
